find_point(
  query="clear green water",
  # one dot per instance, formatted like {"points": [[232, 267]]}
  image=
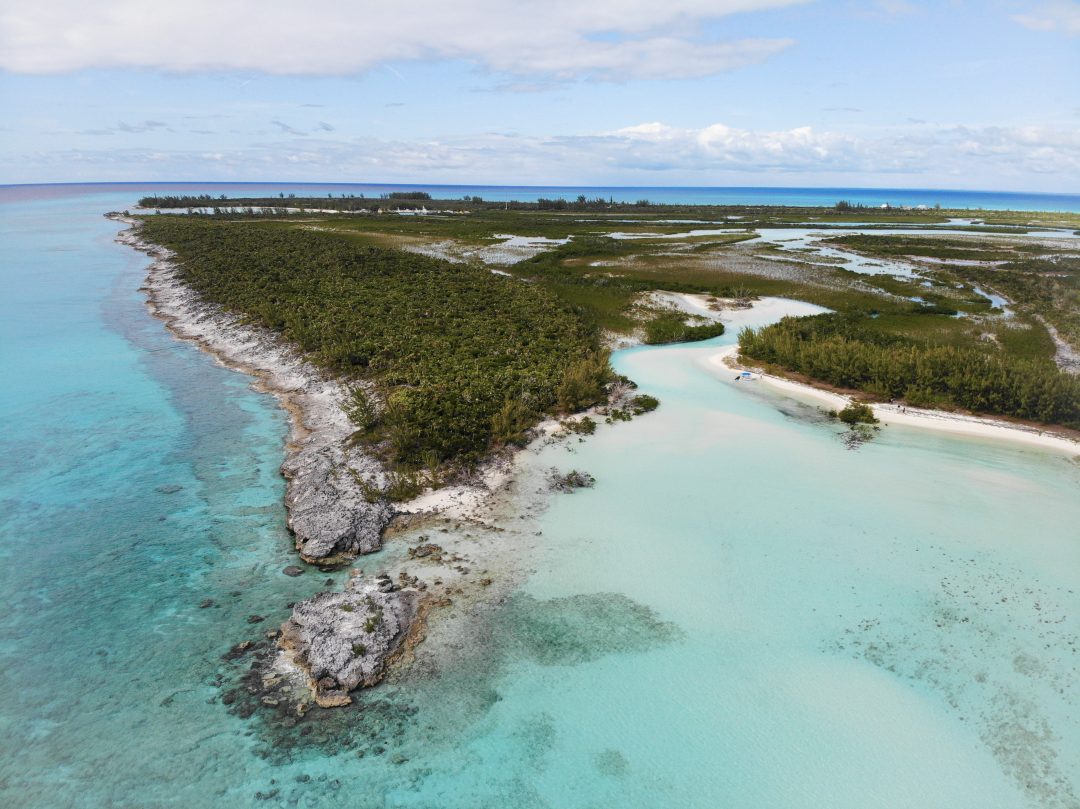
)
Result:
{"points": [[742, 613]]}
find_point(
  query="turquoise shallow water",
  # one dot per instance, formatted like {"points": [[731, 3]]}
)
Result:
{"points": [[742, 613]]}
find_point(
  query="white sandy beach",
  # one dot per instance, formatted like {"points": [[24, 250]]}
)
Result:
{"points": [[769, 309], [726, 359]]}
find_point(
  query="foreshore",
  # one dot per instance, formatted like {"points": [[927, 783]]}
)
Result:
{"points": [[318, 651], [728, 359]]}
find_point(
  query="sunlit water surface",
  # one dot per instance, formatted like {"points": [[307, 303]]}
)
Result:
{"points": [[742, 613]]}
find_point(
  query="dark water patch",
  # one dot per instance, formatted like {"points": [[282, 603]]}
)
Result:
{"points": [[791, 409], [582, 628], [287, 727], [536, 737], [803, 413], [857, 435], [433, 707], [611, 762]]}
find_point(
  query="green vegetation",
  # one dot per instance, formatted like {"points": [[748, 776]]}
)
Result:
{"points": [[415, 195], [597, 205], [583, 382], [450, 360], [643, 403], [841, 350], [509, 424], [374, 621], [635, 407], [939, 247], [1037, 280], [583, 426], [672, 328], [445, 346], [1047, 287], [856, 413]]}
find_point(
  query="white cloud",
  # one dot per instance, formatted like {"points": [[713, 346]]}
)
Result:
{"points": [[926, 151], [602, 39], [1054, 15], [1027, 158]]}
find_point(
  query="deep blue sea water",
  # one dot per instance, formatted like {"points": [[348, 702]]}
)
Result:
{"points": [[975, 200], [782, 622]]}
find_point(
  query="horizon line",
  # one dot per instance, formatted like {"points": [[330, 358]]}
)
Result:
{"points": [[556, 186]]}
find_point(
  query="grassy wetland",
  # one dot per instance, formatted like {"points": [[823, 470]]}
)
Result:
{"points": [[424, 300]]}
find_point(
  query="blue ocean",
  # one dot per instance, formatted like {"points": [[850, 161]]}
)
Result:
{"points": [[873, 197], [742, 613]]}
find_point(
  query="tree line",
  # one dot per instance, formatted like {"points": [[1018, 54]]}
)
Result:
{"points": [[838, 350], [461, 359]]}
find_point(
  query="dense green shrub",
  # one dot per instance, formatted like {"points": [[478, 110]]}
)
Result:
{"points": [[643, 403], [447, 346], [583, 426], [857, 413], [509, 424], [672, 328], [584, 382], [362, 410]]}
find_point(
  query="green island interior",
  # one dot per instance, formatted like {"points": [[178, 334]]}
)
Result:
{"points": [[458, 348]]}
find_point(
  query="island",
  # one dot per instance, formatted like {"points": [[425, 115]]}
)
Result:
{"points": [[418, 343]]}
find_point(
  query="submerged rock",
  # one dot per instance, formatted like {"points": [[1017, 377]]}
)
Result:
{"points": [[571, 480], [426, 549], [346, 640]]}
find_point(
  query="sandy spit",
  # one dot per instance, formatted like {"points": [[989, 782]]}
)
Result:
{"points": [[727, 360]]}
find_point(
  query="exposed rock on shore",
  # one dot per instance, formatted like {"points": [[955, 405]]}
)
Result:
{"points": [[571, 481], [327, 510], [346, 640]]}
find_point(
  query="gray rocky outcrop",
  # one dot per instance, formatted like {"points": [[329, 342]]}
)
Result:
{"points": [[345, 640], [328, 513]]}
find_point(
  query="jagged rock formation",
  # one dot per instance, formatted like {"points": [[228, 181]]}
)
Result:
{"points": [[328, 514], [345, 640]]}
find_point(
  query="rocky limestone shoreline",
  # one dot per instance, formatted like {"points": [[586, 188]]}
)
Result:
{"points": [[328, 514]]}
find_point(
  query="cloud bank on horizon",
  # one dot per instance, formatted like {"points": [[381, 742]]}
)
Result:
{"points": [[703, 92]]}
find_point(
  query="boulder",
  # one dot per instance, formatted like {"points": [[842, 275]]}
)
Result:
{"points": [[347, 640]]}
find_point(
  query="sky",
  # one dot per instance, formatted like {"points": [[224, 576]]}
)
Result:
{"points": [[967, 94]]}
